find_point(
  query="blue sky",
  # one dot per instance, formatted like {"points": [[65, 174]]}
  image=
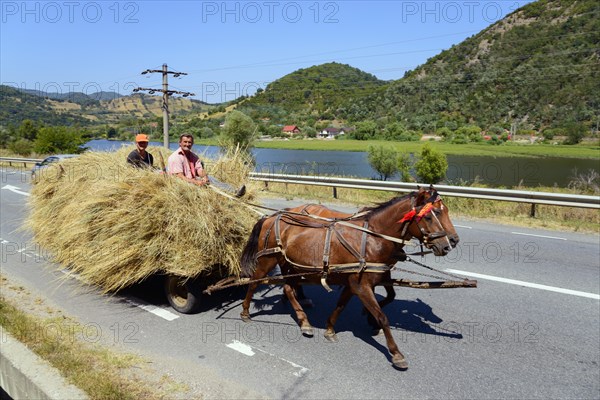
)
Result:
{"points": [[227, 48]]}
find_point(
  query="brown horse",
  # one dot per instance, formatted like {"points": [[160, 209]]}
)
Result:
{"points": [[355, 251]]}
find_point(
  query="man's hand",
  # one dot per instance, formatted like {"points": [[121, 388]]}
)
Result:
{"points": [[202, 181]]}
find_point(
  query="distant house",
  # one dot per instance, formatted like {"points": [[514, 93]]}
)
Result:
{"points": [[331, 132], [291, 129]]}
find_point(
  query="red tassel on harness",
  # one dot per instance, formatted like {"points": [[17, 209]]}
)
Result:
{"points": [[408, 216], [426, 208]]}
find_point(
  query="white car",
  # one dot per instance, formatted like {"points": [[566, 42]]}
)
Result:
{"points": [[49, 160]]}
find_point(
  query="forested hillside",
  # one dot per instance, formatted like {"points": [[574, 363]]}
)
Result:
{"points": [[315, 92], [78, 108], [540, 66], [537, 68], [17, 106]]}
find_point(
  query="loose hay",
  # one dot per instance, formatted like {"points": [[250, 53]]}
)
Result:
{"points": [[115, 225]]}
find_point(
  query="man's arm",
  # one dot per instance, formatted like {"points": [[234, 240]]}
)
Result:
{"points": [[200, 182]]}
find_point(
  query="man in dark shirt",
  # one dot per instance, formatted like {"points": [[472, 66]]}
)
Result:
{"points": [[139, 157]]}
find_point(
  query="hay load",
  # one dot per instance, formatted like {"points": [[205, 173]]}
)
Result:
{"points": [[115, 225]]}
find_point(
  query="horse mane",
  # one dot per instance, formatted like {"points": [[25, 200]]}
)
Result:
{"points": [[381, 206]]}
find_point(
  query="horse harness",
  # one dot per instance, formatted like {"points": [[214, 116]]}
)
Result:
{"points": [[362, 265]]}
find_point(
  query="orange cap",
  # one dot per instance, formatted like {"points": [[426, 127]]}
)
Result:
{"points": [[141, 138]]}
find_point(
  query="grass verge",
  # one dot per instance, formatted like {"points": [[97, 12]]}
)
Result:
{"points": [[60, 340], [509, 149]]}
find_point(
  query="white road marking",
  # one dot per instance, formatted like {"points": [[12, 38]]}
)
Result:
{"points": [[540, 236], [241, 347], [463, 226], [249, 351], [15, 190], [527, 284], [161, 312]]}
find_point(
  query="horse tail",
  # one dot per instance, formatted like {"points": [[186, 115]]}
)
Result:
{"points": [[249, 258]]}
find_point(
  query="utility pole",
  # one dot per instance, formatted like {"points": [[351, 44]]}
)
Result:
{"points": [[166, 93]]}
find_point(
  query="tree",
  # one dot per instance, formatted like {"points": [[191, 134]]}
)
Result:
{"points": [[384, 160], [365, 130], [239, 130], [5, 137], [575, 132], [431, 165], [57, 139], [403, 163], [310, 132], [206, 132], [28, 130], [112, 133]]}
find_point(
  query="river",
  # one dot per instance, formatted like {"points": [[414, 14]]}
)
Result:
{"points": [[494, 171]]}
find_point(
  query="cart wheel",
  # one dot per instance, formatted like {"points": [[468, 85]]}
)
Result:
{"points": [[183, 295]]}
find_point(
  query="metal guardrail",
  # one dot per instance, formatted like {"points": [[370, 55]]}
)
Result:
{"points": [[18, 160], [519, 196]]}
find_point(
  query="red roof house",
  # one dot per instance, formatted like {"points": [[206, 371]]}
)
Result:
{"points": [[291, 129]]}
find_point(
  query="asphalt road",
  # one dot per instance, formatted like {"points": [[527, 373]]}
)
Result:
{"points": [[530, 330]]}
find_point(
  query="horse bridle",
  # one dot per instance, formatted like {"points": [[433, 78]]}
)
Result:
{"points": [[416, 215]]}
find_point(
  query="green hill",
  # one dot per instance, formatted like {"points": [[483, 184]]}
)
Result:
{"points": [[16, 106], [315, 92], [78, 108], [539, 66]]}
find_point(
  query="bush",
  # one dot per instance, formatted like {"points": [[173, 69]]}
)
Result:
{"points": [[22, 147], [431, 165], [444, 132], [549, 134], [57, 139], [495, 130], [459, 139]]}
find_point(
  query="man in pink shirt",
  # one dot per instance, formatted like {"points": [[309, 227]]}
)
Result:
{"points": [[187, 165]]}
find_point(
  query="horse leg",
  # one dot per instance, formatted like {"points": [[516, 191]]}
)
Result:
{"points": [[305, 327], [390, 296], [366, 295], [341, 304], [263, 267]]}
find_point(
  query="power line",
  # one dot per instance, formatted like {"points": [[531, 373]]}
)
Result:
{"points": [[166, 93]]}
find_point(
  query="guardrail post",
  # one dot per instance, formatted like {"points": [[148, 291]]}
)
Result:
{"points": [[532, 212], [335, 192]]}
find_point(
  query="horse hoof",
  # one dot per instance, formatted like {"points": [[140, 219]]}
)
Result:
{"points": [[308, 332], [331, 337], [400, 363], [245, 318]]}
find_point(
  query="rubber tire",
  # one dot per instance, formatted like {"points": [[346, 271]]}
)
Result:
{"points": [[183, 295]]}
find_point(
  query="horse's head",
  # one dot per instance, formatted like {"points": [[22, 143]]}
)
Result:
{"points": [[429, 222]]}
